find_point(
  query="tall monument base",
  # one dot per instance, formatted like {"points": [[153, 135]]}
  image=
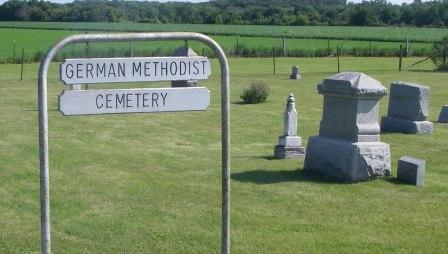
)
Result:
{"points": [[345, 160]]}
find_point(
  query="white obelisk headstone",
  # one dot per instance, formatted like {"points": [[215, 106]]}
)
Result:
{"points": [[289, 144]]}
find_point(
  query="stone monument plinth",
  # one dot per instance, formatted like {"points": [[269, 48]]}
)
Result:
{"points": [[348, 146], [184, 51], [295, 73], [408, 109], [289, 144]]}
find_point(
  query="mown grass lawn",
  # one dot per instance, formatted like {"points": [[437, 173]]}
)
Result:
{"points": [[150, 183]]}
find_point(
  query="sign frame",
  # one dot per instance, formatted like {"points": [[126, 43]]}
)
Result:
{"points": [[44, 170]]}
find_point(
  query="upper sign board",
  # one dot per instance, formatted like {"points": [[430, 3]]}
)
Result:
{"points": [[135, 69]]}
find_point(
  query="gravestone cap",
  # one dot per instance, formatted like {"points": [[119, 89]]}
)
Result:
{"points": [[409, 101], [184, 51], [352, 84], [406, 89], [291, 98], [411, 170]]}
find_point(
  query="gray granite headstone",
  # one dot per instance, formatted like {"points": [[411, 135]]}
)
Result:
{"points": [[295, 73], [289, 144], [184, 51], [411, 170], [348, 146], [408, 109], [443, 117]]}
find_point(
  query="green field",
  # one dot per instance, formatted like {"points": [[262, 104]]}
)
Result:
{"points": [[37, 41], [399, 34], [140, 183]]}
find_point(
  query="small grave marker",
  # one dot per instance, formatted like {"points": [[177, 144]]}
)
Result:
{"points": [[295, 73], [443, 116], [411, 170]]}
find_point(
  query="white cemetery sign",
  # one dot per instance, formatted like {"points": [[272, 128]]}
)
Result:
{"points": [[92, 102], [109, 70]]}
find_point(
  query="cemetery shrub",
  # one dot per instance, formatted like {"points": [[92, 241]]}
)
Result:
{"points": [[258, 92], [439, 54]]}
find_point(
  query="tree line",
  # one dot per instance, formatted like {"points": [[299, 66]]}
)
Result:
{"points": [[243, 12]]}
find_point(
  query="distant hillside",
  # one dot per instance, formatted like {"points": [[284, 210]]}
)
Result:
{"points": [[255, 12]]}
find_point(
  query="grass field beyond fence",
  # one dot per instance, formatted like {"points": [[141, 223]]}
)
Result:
{"points": [[138, 183], [246, 41], [398, 34]]}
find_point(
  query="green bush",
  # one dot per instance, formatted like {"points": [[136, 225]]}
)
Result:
{"points": [[258, 92], [439, 54]]}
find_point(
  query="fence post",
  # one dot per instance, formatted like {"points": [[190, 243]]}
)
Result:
{"points": [[14, 51], [237, 45], [407, 47], [284, 46], [273, 57], [73, 50], [131, 48], [21, 69], [337, 56], [87, 49], [401, 57]]}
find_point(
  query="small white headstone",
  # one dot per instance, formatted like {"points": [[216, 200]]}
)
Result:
{"points": [[289, 144]]}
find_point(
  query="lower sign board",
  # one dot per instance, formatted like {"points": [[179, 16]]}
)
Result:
{"points": [[146, 100]]}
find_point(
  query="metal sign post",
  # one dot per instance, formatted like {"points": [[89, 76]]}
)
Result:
{"points": [[122, 97]]}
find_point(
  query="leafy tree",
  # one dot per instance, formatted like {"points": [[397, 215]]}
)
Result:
{"points": [[259, 12], [362, 17], [439, 54]]}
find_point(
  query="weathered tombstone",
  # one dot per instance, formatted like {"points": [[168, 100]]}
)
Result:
{"points": [[184, 51], [295, 73], [289, 144], [411, 170], [348, 146], [443, 117], [408, 109]]}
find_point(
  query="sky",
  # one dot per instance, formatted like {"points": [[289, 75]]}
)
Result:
{"points": [[196, 1]]}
